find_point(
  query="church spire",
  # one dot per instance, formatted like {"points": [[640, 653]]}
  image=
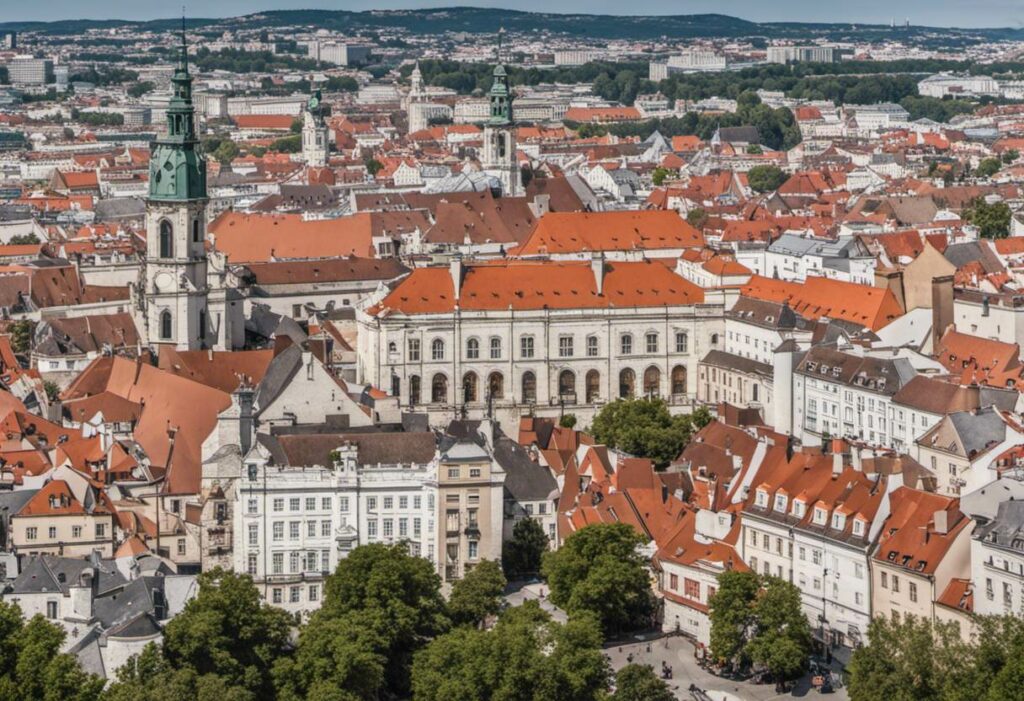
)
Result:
{"points": [[500, 95]]}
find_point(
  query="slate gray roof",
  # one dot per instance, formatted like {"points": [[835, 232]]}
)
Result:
{"points": [[525, 480], [50, 573], [279, 373], [1006, 530], [978, 430], [729, 361], [384, 447]]}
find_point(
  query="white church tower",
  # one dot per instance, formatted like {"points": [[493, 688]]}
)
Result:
{"points": [[315, 133]]}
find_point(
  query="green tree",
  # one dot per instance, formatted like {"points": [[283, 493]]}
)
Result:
{"points": [[1010, 155], [24, 240], [992, 220], [732, 616], [645, 428], [296, 127], [659, 175], [525, 657], [32, 668], [521, 555], [373, 166], [599, 571], [21, 336], [782, 641], [766, 178], [52, 390], [394, 596], [140, 89], [287, 144], [226, 151], [477, 595], [754, 149], [636, 682], [697, 217], [227, 630], [567, 421], [988, 167]]}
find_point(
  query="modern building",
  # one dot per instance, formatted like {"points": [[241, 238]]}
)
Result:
{"points": [[29, 70]]}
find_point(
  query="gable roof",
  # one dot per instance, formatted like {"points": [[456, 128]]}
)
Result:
{"points": [[573, 232], [871, 307]]}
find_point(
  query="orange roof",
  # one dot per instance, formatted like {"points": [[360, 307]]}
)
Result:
{"points": [[260, 237], [57, 499], [977, 360], [540, 285], [911, 538], [574, 232], [959, 594], [686, 143], [872, 307], [602, 114], [264, 121], [223, 370]]}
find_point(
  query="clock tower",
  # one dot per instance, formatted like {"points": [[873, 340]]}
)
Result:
{"points": [[174, 296]]}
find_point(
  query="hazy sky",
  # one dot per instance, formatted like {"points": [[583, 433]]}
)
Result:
{"points": [[951, 13]]}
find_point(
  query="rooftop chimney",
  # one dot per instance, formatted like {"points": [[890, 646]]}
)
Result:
{"points": [[597, 266], [455, 268]]}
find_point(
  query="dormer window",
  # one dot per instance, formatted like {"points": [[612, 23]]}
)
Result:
{"points": [[858, 526], [799, 509], [819, 516], [762, 498], [780, 502], [838, 521]]}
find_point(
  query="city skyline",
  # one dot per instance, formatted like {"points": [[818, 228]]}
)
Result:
{"points": [[958, 13]]}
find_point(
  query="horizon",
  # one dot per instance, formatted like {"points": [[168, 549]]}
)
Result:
{"points": [[957, 14]]}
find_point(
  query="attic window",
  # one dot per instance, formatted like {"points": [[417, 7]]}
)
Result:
{"points": [[798, 509], [780, 502], [858, 527], [762, 498], [838, 521], [819, 516]]}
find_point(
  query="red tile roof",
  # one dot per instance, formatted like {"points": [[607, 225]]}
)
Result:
{"points": [[575, 232], [872, 307]]}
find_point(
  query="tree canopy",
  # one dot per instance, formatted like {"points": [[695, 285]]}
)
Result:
{"points": [[766, 178], [599, 571], [636, 682], [521, 556], [645, 428], [477, 595], [992, 220]]}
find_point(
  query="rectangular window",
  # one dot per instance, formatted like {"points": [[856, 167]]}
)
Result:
{"points": [[389, 503], [293, 562], [277, 563], [474, 472], [389, 526], [294, 504], [278, 505], [277, 595], [325, 529], [403, 503], [314, 592], [913, 591], [417, 502], [371, 503], [416, 526], [565, 347], [371, 528], [473, 549], [414, 350], [895, 583], [181, 546], [250, 566], [453, 473], [526, 346], [51, 609], [652, 343], [591, 346], [310, 503], [403, 527], [51, 532], [691, 589], [495, 348], [76, 531], [254, 534], [325, 560], [31, 533], [295, 595], [325, 503], [682, 342], [101, 530], [311, 529], [293, 530], [343, 504]]}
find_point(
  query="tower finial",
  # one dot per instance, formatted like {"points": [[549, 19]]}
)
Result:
{"points": [[501, 30], [184, 42]]}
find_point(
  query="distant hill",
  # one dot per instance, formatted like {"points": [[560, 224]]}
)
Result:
{"points": [[482, 20]]}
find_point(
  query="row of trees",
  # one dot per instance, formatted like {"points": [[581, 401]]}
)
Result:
{"points": [[913, 659], [384, 631]]}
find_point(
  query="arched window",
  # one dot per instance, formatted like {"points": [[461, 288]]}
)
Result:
{"points": [[414, 390], [439, 389], [679, 380], [437, 349], [392, 347], [472, 349], [567, 385], [627, 383], [652, 381], [714, 339], [165, 325], [166, 239], [529, 387], [496, 385], [591, 346], [495, 348], [469, 387], [626, 344], [593, 386], [195, 231]]}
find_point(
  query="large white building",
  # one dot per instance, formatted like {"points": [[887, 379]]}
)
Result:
{"points": [[307, 499], [551, 337]]}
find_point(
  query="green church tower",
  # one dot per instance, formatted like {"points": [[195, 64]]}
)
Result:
{"points": [[177, 170], [499, 152]]}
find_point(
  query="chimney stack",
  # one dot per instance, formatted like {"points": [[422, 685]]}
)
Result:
{"points": [[597, 266], [942, 307], [455, 268]]}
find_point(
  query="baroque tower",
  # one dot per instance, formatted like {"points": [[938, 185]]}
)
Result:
{"points": [[174, 296], [315, 134], [499, 135]]}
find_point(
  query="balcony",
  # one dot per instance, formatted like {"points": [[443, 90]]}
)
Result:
{"points": [[473, 531]]}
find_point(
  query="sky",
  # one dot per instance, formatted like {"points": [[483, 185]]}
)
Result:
{"points": [[945, 13]]}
